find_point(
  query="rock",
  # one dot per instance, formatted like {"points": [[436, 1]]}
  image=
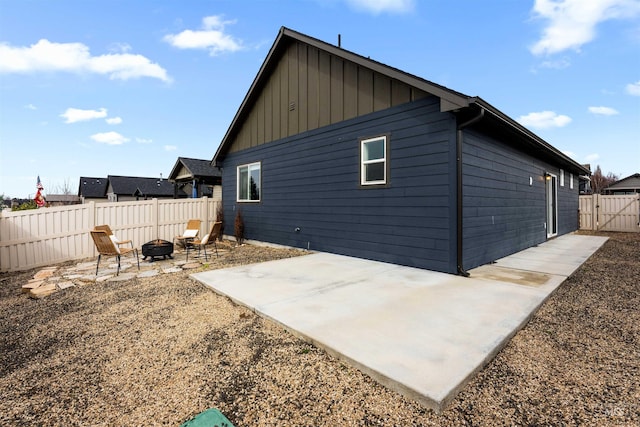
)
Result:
{"points": [[43, 291], [122, 277], [64, 285], [45, 273], [148, 273], [191, 265]]}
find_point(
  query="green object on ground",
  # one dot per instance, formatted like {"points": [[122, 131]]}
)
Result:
{"points": [[208, 418]]}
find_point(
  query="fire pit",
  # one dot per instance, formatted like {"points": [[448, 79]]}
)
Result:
{"points": [[157, 248]]}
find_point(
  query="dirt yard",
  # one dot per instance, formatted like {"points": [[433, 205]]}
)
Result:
{"points": [[159, 350]]}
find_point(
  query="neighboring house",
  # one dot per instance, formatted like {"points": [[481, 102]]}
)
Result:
{"points": [[63, 199], [335, 152], [628, 185], [92, 189], [584, 182], [196, 178], [128, 188]]}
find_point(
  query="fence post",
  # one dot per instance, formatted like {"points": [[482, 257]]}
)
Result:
{"points": [[155, 217], [597, 210], [205, 211], [92, 215]]}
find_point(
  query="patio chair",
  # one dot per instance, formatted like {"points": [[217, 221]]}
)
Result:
{"points": [[112, 236], [209, 238], [191, 232], [106, 246]]}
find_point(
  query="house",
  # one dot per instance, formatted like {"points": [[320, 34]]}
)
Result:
{"points": [[196, 178], [128, 188], [335, 152], [584, 181], [628, 185], [92, 189]]}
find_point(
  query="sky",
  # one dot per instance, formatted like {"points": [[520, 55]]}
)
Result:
{"points": [[96, 88]]}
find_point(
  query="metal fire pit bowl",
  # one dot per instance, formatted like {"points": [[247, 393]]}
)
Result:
{"points": [[157, 248]]}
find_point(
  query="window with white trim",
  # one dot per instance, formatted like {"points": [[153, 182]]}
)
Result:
{"points": [[561, 178], [249, 183], [571, 181], [373, 161]]}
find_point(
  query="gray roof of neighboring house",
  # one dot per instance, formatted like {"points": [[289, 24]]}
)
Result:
{"points": [[133, 185], [632, 182], [196, 167], [450, 100], [63, 198], [95, 188]]}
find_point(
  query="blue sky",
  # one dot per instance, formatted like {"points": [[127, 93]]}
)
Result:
{"points": [[97, 88]]}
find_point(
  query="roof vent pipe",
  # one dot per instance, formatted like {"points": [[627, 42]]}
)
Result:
{"points": [[339, 40]]}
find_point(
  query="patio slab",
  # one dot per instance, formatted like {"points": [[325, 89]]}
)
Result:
{"points": [[419, 332]]}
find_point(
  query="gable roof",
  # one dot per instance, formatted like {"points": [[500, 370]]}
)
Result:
{"points": [[187, 168], [95, 188], [450, 100], [133, 186], [632, 182]]}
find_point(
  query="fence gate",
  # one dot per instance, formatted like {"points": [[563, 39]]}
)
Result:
{"points": [[610, 213]]}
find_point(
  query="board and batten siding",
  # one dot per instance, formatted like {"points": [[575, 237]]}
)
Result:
{"points": [[311, 181], [309, 89], [502, 213]]}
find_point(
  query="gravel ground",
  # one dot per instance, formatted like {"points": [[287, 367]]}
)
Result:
{"points": [[159, 350]]}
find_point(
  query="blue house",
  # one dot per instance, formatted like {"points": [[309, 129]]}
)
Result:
{"points": [[335, 152]]}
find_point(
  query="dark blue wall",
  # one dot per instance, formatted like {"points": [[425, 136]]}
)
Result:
{"points": [[503, 214], [311, 181]]}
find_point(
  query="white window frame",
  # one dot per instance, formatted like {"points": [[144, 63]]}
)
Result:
{"points": [[250, 167], [561, 178], [571, 181], [383, 160]]}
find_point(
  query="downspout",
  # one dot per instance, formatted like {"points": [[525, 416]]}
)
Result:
{"points": [[459, 204]]}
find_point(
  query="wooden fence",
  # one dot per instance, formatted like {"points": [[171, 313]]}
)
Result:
{"points": [[41, 237], [610, 213]]}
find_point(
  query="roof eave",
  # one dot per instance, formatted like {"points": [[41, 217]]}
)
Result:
{"points": [[527, 133]]}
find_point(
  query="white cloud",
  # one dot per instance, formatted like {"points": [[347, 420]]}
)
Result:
{"points": [[211, 37], [119, 47], [109, 138], [75, 57], [73, 115], [30, 107], [603, 111], [381, 6], [170, 148], [114, 120], [144, 141], [633, 88], [557, 64], [544, 120], [590, 158], [572, 23]]}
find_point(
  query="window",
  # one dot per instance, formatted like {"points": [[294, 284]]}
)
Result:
{"points": [[561, 178], [571, 181], [249, 183], [373, 163]]}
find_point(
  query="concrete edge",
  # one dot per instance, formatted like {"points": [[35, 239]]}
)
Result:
{"points": [[380, 378], [492, 354]]}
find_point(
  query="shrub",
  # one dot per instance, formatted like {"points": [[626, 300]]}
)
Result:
{"points": [[239, 227]]}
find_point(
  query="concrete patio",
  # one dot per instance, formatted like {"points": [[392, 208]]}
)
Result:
{"points": [[419, 332]]}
